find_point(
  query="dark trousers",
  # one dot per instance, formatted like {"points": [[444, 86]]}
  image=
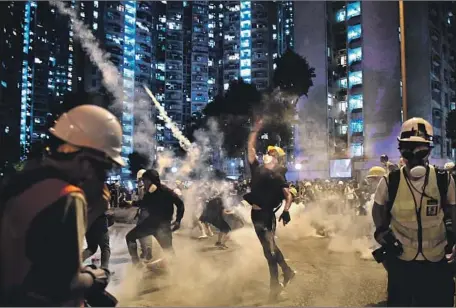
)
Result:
{"points": [[264, 223], [161, 231], [98, 236], [420, 284], [145, 242]]}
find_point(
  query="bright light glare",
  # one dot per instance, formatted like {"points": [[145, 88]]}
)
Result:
{"points": [[298, 166], [173, 169]]}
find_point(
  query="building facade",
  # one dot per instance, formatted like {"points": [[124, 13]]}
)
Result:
{"points": [[356, 52]]}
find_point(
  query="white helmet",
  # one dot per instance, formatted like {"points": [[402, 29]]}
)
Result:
{"points": [[449, 166], [416, 130], [93, 127], [308, 184], [327, 181], [340, 183], [140, 174]]}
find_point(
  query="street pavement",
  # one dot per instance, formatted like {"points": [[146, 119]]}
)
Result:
{"points": [[202, 275]]}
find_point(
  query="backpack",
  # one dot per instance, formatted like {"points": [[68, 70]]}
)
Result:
{"points": [[443, 181]]}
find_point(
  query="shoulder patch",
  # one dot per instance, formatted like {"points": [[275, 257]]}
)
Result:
{"points": [[69, 189]]}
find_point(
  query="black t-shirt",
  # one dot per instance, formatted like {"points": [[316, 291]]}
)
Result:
{"points": [[266, 187], [160, 204]]}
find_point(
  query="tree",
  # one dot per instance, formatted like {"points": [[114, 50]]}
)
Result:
{"points": [[137, 162], [293, 75], [234, 112], [451, 127]]}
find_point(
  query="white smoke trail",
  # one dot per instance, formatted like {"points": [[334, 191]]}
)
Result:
{"points": [[183, 141], [92, 47]]}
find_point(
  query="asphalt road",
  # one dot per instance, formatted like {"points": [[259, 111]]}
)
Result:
{"points": [[204, 276]]}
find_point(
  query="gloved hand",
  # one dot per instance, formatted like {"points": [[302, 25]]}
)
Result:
{"points": [[175, 226], [285, 217], [100, 277]]}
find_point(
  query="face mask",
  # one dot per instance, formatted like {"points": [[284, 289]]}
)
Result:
{"points": [[416, 161], [153, 188], [269, 160]]}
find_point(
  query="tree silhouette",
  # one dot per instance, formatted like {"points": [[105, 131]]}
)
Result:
{"points": [[137, 162], [234, 112], [293, 74], [451, 127]]}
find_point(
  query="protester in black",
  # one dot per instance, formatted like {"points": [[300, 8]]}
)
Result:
{"points": [[268, 189], [160, 201]]}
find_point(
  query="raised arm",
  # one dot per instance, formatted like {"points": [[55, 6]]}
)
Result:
{"points": [[251, 144]]}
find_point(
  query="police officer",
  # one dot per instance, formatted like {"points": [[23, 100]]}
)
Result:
{"points": [[410, 213], [46, 210]]}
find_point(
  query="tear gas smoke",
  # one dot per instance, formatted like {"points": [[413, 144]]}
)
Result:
{"points": [[194, 273], [92, 48], [183, 141]]}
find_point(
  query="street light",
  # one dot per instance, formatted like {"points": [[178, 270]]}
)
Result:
{"points": [[298, 166]]}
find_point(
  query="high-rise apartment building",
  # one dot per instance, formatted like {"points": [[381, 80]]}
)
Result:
{"points": [[10, 94], [255, 34], [355, 48], [46, 60]]}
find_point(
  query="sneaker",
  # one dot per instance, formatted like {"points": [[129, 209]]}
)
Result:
{"points": [[275, 294], [222, 247], [202, 237], [288, 277]]}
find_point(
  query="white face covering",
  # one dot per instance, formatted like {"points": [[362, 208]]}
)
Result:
{"points": [[153, 188], [269, 161]]}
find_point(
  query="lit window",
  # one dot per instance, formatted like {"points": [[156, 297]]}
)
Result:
{"points": [[274, 66], [355, 78], [245, 72], [340, 15], [343, 60], [355, 101], [245, 63], [356, 149], [38, 61], [329, 52], [4, 84], [95, 3], [353, 9], [354, 32], [354, 55], [226, 86], [95, 14], [343, 83], [83, 14]]}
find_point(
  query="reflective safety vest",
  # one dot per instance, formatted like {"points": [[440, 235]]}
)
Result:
{"points": [[407, 226]]}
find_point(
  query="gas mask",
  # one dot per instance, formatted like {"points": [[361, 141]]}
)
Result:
{"points": [[416, 160]]}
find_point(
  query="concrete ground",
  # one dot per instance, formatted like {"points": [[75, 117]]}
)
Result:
{"points": [[202, 275]]}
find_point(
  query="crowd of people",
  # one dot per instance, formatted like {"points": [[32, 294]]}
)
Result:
{"points": [[64, 198]]}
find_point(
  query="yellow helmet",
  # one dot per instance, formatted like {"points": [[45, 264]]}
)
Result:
{"points": [[293, 191], [279, 150], [376, 172]]}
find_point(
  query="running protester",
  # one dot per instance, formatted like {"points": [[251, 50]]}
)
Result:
{"points": [[268, 189], [159, 201]]}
